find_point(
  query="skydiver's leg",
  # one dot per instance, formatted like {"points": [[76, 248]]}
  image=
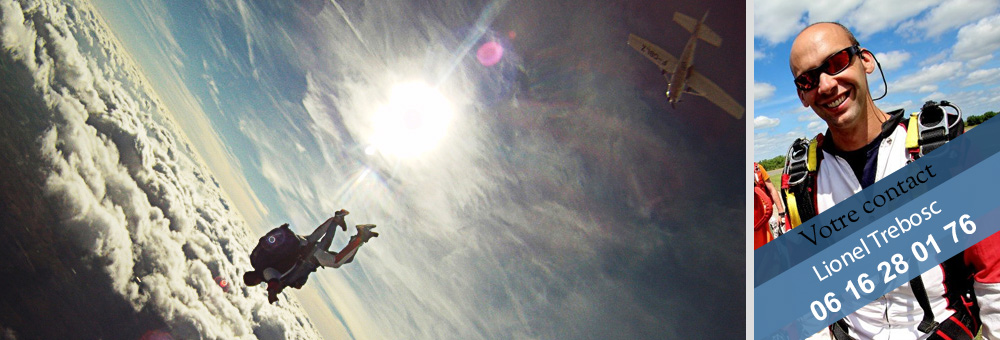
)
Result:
{"points": [[346, 255], [319, 232], [327, 230], [273, 278], [324, 244], [335, 260]]}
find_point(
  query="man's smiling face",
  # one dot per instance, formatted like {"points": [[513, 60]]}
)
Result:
{"points": [[841, 99]]}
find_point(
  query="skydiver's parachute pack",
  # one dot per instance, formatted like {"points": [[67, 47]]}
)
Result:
{"points": [[277, 249]]}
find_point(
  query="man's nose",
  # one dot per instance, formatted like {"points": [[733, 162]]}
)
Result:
{"points": [[827, 83]]}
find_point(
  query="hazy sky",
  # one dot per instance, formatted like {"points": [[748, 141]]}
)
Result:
{"points": [[928, 50], [559, 197]]}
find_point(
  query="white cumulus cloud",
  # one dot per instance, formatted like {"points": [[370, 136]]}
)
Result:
{"points": [[762, 91], [777, 20], [764, 122], [926, 79], [873, 16], [893, 59], [983, 76], [936, 96], [927, 88], [816, 127], [979, 39], [948, 15], [978, 62], [766, 145]]}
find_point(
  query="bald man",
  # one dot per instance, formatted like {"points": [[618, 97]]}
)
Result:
{"points": [[862, 145]]}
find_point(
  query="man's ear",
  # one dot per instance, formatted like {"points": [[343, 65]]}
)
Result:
{"points": [[802, 99], [868, 60]]}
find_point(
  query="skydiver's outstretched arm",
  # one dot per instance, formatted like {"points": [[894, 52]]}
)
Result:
{"points": [[346, 255]]}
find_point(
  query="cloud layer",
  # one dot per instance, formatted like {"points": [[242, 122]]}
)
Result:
{"points": [[131, 195]]}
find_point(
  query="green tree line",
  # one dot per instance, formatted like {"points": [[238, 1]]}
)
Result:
{"points": [[976, 120], [773, 163]]}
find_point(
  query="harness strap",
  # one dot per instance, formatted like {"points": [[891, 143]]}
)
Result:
{"points": [[932, 127], [927, 324], [964, 323], [798, 180], [792, 208], [839, 330]]}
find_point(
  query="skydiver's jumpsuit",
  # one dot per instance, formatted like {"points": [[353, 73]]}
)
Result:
{"points": [[321, 256]]}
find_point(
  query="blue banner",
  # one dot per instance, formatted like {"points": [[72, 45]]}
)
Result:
{"points": [[880, 238]]}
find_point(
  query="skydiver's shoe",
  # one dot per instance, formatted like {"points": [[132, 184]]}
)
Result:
{"points": [[365, 232], [339, 218]]}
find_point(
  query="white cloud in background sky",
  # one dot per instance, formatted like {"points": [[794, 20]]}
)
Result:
{"points": [[983, 76], [763, 122], [979, 39], [923, 81], [874, 16], [777, 20], [943, 17], [762, 91], [892, 60]]}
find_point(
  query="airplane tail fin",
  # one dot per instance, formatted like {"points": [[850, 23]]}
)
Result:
{"points": [[698, 27]]}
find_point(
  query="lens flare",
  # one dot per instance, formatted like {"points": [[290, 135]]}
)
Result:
{"points": [[489, 53]]}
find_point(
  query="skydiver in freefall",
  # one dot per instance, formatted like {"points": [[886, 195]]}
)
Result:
{"points": [[284, 259]]}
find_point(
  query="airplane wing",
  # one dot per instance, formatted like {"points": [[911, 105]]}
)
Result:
{"points": [[714, 94], [654, 53]]}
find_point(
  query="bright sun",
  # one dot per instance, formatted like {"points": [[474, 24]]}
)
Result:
{"points": [[414, 120]]}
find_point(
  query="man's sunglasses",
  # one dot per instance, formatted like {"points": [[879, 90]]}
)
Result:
{"points": [[833, 64]]}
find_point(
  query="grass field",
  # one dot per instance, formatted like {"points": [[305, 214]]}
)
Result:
{"points": [[775, 178]]}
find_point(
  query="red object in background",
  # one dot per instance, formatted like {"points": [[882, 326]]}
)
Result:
{"points": [[223, 283]]}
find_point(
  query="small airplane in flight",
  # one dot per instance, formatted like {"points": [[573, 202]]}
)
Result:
{"points": [[680, 73]]}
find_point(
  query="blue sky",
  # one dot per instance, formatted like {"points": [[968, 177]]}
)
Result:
{"points": [[929, 50]]}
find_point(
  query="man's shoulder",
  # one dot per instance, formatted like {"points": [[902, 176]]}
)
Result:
{"points": [[897, 118]]}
